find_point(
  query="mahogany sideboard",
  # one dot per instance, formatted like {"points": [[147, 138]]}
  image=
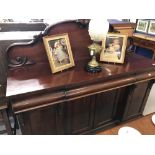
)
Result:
{"points": [[74, 101]]}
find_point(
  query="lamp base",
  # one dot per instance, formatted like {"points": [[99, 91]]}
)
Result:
{"points": [[93, 69]]}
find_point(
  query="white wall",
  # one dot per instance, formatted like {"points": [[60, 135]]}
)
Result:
{"points": [[150, 105]]}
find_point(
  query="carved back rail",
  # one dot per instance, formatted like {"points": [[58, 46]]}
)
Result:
{"points": [[20, 54]]}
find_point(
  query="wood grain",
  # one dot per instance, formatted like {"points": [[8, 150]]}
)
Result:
{"points": [[75, 101]]}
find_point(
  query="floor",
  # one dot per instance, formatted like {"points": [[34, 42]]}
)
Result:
{"points": [[144, 125]]}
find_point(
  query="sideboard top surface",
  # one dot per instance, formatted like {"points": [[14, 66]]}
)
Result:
{"points": [[39, 77]]}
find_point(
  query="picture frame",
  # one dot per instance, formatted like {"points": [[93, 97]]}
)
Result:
{"points": [[59, 52], [142, 25], [114, 47], [151, 28]]}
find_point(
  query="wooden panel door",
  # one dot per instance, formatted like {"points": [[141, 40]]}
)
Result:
{"points": [[105, 109], [43, 121], [136, 99], [79, 115]]}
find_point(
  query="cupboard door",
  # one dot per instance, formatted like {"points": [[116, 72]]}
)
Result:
{"points": [[105, 108], [41, 121], [79, 115], [136, 100]]}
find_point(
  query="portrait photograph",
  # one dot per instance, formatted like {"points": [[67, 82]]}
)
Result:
{"points": [[114, 47], [142, 26], [151, 29], [59, 52]]}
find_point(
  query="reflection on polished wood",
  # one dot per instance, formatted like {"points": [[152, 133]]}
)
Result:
{"points": [[75, 101], [144, 125], [39, 76]]}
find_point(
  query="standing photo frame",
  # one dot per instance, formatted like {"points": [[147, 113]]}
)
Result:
{"points": [[151, 29], [114, 47], [142, 25], [59, 52]]}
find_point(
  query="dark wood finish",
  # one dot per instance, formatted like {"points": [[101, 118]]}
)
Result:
{"points": [[40, 121], [74, 101], [3, 74], [6, 42], [3, 77], [135, 100], [79, 49], [106, 104], [144, 125], [6, 27], [79, 115]]}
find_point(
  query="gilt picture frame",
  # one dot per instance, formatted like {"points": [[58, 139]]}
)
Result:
{"points": [[113, 48], [151, 29], [142, 25], [59, 52]]}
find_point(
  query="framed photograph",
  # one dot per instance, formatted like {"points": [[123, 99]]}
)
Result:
{"points": [[151, 29], [142, 26], [59, 52], [114, 47]]}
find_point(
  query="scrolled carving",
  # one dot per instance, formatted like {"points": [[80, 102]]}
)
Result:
{"points": [[38, 37], [20, 61], [23, 59]]}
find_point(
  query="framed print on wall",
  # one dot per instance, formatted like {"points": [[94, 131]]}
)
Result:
{"points": [[142, 25], [114, 47], [151, 29], [59, 52]]}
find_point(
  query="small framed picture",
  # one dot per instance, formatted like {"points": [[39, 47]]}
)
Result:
{"points": [[114, 47], [142, 25], [151, 29], [59, 52]]}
